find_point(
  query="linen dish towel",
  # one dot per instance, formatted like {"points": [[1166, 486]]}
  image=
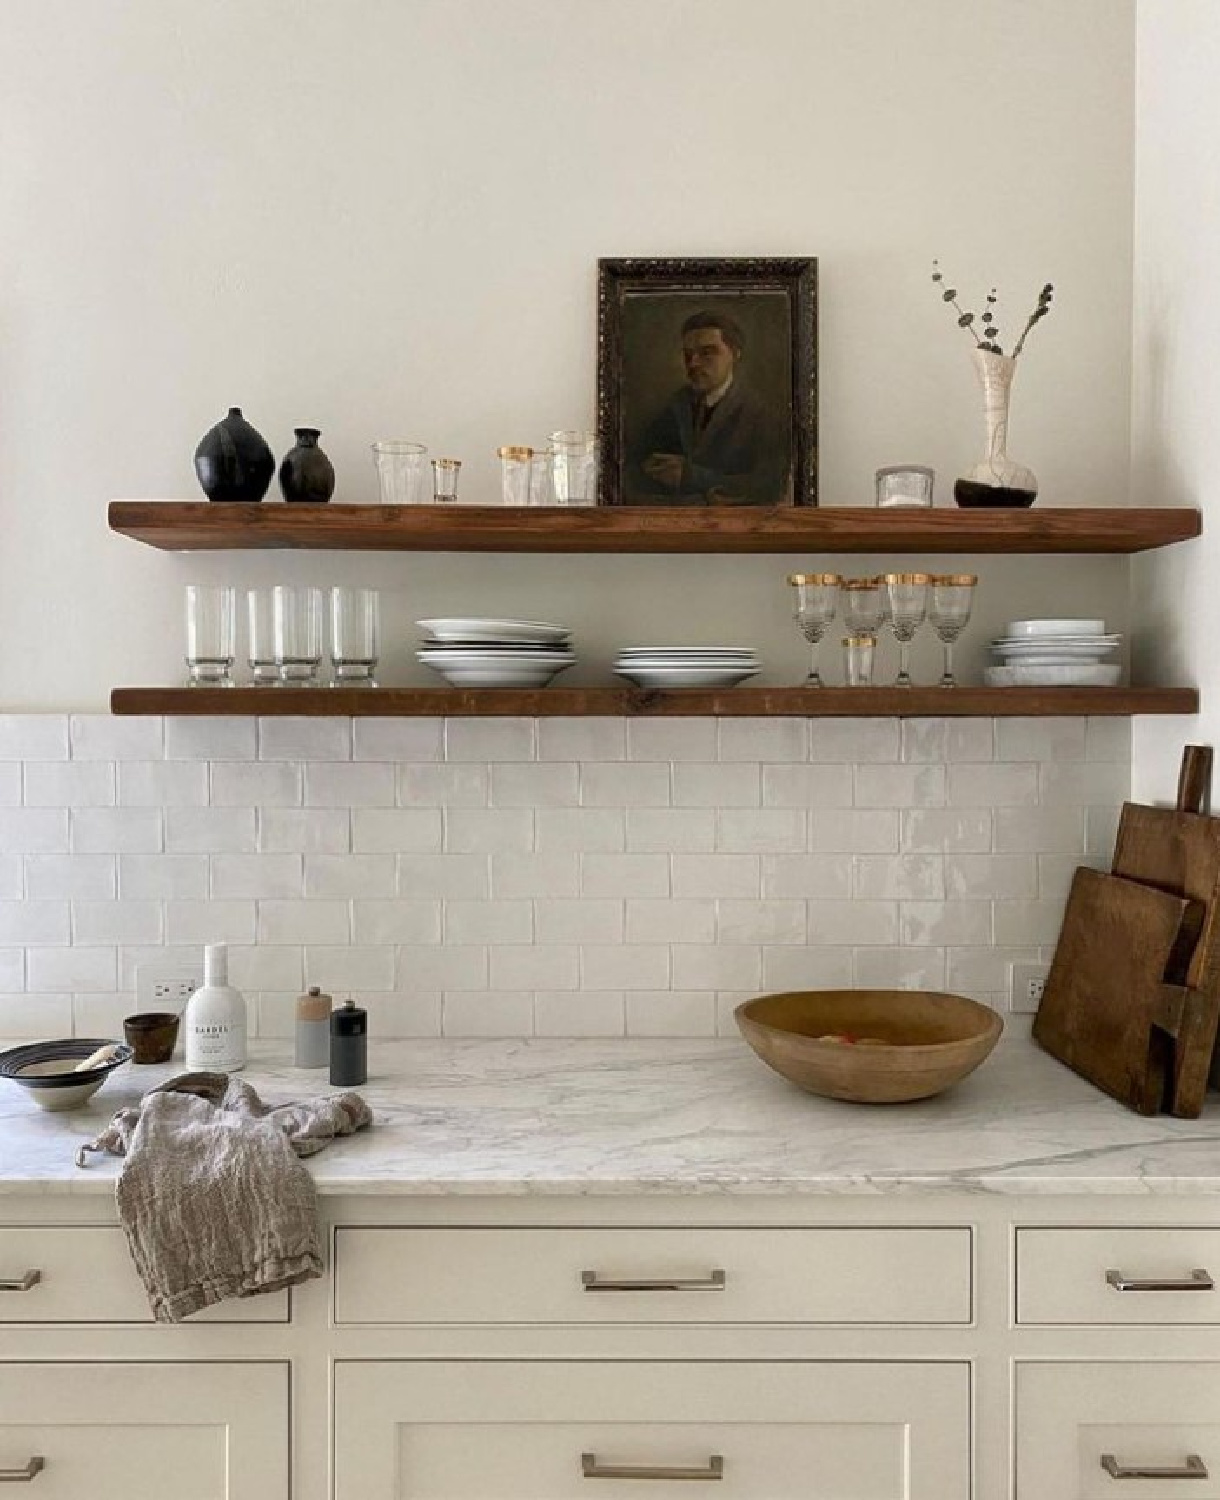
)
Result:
{"points": [[212, 1197]]}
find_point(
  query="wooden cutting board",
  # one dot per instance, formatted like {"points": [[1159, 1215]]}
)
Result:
{"points": [[1105, 1003], [1178, 850]]}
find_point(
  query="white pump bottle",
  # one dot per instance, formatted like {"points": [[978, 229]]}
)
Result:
{"points": [[215, 1018]]}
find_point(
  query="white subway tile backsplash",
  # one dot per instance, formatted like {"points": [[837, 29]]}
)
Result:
{"points": [[715, 966], [12, 877], [259, 875], [1108, 739], [1089, 784], [114, 922], [116, 830], [100, 1015], [1000, 877], [266, 968], [451, 876], [806, 969], [580, 829], [443, 786], [773, 830], [582, 740], [36, 1017], [1101, 829], [822, 877], [11, 788], [12, 970], [35, 922], [717, 785], [925, 740], [985, 970], [624, 875], [437, 967], [349, 968], [624, 966], [767, 922], [398, 921], [33, 736], [298, 922], [900, 877], [807, 786], [900, 968], [353, 784], [999, 785], [1026, 923], [1056, 871], [152, 876], [671, 1013], [50, 877], [947, 830], [399, 830], [528, 785], [582, 921], [629, 785], [943, 924], [670, 922], [487, 1013], [34, 830], [538, 968], [490, 739], [255, 784], [900, 786], [853, 741], [103, 737], [86, 783], [1039, 830], [535, 875], [1040, 739], [161, 783], [304, 830], [489, 830], [671, 739], [210, 921], [716, 875], [853, 831], [338, 875], [760, 740], [583, 1013], [671, 830], [305, 739], [398, 740], [854, 923], [209, 830], [76, 970], [211, 739], [489, 922]]}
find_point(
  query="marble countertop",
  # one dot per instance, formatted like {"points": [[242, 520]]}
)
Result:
{"points": [[680, 1117]]}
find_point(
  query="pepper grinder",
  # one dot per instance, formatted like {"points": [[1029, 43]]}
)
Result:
{"points": [[349, 1045], [313, 1029]]}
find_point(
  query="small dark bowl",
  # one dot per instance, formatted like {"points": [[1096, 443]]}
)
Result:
{"points": [[151, 1035]]}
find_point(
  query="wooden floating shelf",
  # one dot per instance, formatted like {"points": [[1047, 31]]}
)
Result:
{"points": [[740, 702], [188, 525]]}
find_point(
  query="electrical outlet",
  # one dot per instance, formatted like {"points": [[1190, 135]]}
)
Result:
{"points": [[1025, 985], [166, 986]]}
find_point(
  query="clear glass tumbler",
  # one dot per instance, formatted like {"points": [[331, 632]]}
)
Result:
{"points": [[858, 651], [297, 614], [950, 600], [355, 635], [515, 464], [863, 605], [542, 476], [445, 479], [817, 598], [908, 605], [211, 635], [574, 468], [400, 471], [260, 636], [905, 484]]}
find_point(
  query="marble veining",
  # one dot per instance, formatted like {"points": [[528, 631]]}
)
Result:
{"points": [[676, 1117]]}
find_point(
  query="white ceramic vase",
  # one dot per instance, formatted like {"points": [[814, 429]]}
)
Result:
{"points": [[997, 480]]}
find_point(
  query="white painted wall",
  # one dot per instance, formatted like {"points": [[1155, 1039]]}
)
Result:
{"points": [[383, 218], [1176, 431]]}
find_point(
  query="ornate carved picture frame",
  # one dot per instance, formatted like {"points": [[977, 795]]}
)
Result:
{"points": [[707, 382]]}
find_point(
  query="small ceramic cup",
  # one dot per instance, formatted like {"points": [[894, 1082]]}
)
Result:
{"points": [[151, 1035]]}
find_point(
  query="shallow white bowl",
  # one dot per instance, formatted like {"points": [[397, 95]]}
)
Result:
{"points": [[1043, 674], [685, 676], [498, 674], [1034, 628]]}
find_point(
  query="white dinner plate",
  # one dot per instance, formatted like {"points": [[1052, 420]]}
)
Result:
{"points": [[499, 674], [1035, 628], [719, 652], [494, 630], [1046, 674]]}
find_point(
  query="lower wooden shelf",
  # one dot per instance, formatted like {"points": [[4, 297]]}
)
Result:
{"points": [[740, 702]]}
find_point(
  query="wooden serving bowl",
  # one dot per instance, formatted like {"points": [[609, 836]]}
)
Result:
{"points": [[924, 1041]]}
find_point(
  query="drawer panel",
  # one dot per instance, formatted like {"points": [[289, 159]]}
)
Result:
{"points": [[408, 1430], [1062, 1276], [1072, 1416], [591, 1276], [85, 1275], [146, 1431]]}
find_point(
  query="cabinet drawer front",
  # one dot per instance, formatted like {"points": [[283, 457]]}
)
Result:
{"points": [[146, 1431], [85, 1275], [1072, 1416], [1062, 1276], [652, 1275], [502, 1431]]}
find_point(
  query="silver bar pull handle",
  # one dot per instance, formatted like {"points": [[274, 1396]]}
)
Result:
{"points": [[715, 1282], [21, 1283], [1198, 1281], [23, 1475], [1193, 1468], [591, 1469]]}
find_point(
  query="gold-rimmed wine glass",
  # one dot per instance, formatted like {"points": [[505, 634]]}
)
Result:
{"points": [[907, 596], [817, 598], [950, 600], [863, 606]]}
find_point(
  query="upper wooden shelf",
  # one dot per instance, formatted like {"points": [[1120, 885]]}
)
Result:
{"points": [[190, 526]]}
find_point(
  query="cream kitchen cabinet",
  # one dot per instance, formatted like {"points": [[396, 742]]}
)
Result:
{"points": [[414, 1430], [145, 1431]]}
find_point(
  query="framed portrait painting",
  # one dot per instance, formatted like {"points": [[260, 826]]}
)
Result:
{"points": [[707, 382]]}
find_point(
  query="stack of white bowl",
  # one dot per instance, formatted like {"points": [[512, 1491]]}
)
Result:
{"points": [[1055, 653], [478, 653], [686, 666]]}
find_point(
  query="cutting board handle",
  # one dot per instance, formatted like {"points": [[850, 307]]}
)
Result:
{"points": [[1195, 779]]}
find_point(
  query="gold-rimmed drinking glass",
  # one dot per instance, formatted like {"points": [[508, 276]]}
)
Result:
{"points": [[863, 606], [816, 600], [950, 600], [907, 598]]}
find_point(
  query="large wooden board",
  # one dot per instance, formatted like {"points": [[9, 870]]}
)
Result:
{"points": [[1105, 1008]]}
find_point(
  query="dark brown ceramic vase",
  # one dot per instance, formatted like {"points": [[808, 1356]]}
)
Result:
{"points": [[306, 474]]}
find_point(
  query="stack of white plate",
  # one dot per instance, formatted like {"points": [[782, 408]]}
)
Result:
{"points": [[479, 653], [686, 666], [1054, 653]]}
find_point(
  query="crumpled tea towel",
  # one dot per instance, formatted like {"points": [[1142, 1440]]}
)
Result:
{"points": [[212, 1196]]}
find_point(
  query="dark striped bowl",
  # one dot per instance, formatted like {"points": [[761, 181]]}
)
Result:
{"points": [[47, 1069]]}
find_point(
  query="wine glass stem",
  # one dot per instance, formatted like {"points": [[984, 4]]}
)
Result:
{"points": [[814, 679], [904, 663], [948, 679]]}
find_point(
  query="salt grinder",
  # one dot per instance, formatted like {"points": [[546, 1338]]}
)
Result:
{"points": [[349, 1027], [313, 1029]]}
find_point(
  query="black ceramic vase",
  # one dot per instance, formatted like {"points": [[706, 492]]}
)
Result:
{"points": [[306, 473], [233, 461]]}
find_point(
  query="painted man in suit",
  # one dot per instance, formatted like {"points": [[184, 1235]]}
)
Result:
{"points": [[713, 443]]}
